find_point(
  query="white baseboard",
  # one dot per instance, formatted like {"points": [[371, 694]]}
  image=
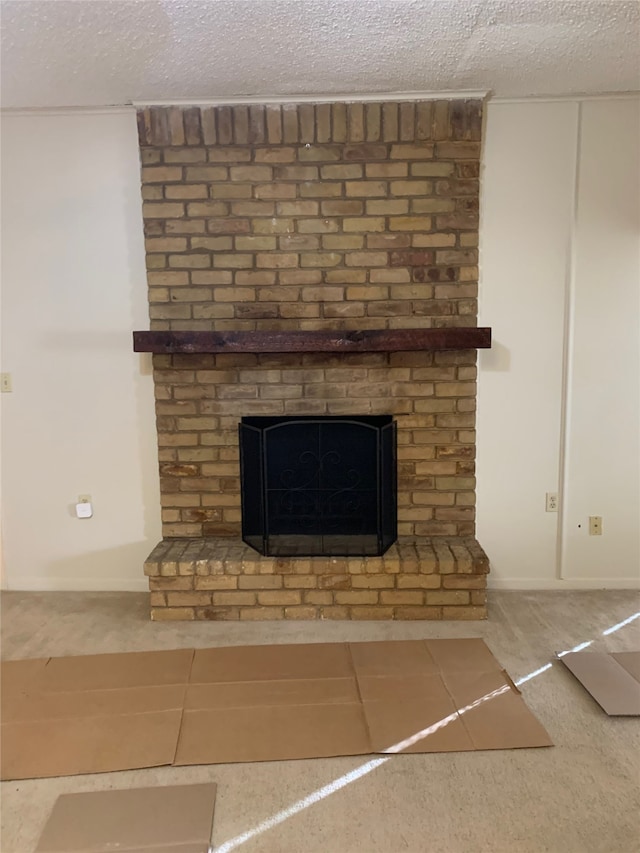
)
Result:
{"points": [[39, 584], [566, 584]]}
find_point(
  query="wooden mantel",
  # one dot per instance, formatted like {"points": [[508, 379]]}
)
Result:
{"points": [[368, 340]]}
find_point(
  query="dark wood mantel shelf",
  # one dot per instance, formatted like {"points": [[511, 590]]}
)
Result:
{"points": [[366, 340]]}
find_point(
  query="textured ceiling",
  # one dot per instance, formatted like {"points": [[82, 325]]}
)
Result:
{"points": [[100, 52]]}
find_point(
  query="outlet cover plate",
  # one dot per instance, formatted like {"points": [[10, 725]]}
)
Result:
{"points": [[595, 525]]}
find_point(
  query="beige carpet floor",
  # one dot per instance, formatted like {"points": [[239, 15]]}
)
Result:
{"points": [[580, 796]]}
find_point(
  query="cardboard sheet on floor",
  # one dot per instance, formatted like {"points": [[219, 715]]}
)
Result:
{"points": [[612, 679], [258, 703], [176, 818], [84, 715], [441, 696]]}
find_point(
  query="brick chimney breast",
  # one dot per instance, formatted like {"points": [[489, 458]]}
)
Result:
{"points": [[310, 217]]}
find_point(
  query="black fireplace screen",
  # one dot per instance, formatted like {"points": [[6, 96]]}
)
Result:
{"points": [[319, 485]]}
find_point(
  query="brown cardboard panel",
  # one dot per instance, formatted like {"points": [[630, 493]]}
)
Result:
{"points": [[493, 713], [261, 703], [472, 655], [399, 657], [469, 687], [299, 691], [172, 818], [18, 675], [267, 663], [72, 745], [630, 661], [388, 688], [424, 721], [175, 848], [131, 669], [271, 733], [612, 685], [16, 678], [504, 722], [22, 707]]}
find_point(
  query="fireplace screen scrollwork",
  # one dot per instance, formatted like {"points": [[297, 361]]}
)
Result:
{"points": [[319, 486]]}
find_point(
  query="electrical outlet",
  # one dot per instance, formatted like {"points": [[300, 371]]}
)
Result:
{"points": [[595, 525], [84, 507], [5, 383], [552, 502]]}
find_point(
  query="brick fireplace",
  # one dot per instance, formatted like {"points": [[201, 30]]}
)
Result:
{"points": [[289, 250]]}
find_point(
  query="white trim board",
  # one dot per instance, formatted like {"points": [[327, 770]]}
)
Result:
{"points": [[324, 98], [379, 97], [604, 96], [569, 584], [38, 584], [37, 112]]}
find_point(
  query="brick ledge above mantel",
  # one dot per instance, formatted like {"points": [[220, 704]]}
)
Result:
{"points": [[324, 340]]}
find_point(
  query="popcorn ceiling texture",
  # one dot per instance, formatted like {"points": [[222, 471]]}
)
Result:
{"points": [[315, 216], [107, 52]]}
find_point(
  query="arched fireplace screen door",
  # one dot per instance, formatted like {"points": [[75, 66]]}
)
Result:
{"points": [[315, 486]]}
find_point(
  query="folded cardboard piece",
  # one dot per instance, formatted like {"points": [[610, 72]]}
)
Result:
{"points": [[169, 819], [92, 714], [98, 713], [612, 679]]}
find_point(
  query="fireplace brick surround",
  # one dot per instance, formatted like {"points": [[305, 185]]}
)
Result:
{"points": [[314, 217]]}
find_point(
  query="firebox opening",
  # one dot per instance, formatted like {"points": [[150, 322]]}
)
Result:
{"points": [[318, 486]]}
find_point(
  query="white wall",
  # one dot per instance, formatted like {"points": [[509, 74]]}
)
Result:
{"points": [[558, 394], [603, 424], [80, 418], [559, 287]]}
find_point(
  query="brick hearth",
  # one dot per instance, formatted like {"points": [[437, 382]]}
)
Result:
{"points": [[440, 578]]}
